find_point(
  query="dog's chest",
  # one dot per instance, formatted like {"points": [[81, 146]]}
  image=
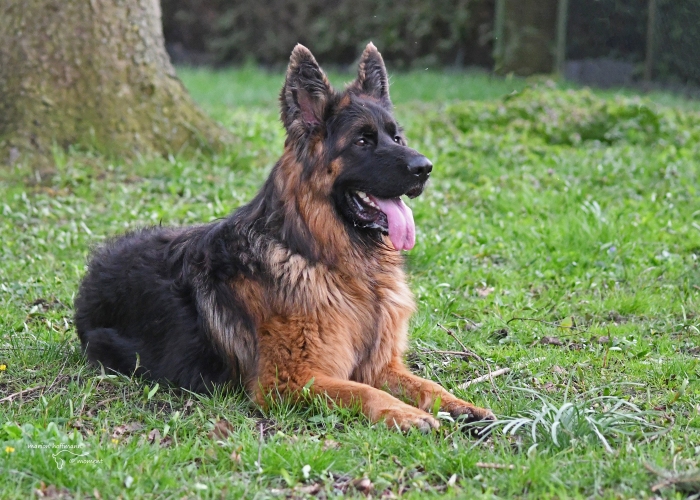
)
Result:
{"points": [[367, 322], [355, 322], [388, 336]]}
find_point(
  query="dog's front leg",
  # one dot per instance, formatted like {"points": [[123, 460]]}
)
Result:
{"points": [[377, 405], [423, 393], [294, 356]]}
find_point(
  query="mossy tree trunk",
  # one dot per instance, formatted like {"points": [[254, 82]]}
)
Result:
{"points": [[529, 33], [92, 73]]}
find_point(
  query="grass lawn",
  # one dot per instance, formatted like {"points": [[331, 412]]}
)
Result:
{"points": [[559, 238]]}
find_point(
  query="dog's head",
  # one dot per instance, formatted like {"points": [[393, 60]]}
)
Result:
{"points": [[351, 148]]}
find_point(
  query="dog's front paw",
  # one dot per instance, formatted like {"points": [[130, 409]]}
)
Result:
{"points": [[406, 418], [466, 412]]}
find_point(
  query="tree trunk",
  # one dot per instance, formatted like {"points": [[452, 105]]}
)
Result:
{"points": [[529, 29], [92, 73]]}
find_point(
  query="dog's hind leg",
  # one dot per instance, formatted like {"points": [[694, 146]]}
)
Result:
{"points": [[423, 393], [107, 346]]}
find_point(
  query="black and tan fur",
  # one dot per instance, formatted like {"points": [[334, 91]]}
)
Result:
{"points": [[302, 284]]}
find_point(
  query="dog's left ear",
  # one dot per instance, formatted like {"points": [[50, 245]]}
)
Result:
{"points": [[372, 79], [306, 90]]}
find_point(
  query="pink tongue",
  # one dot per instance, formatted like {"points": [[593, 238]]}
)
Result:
{"points": [[402, 230]]}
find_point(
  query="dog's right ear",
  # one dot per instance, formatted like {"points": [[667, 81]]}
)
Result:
{"points": [[306, 90]]}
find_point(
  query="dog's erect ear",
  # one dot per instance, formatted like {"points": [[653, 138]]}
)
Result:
{"points": [[372, 79], [306, 90]]}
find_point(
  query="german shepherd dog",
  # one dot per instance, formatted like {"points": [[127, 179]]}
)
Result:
{"points": [[301, 288]]}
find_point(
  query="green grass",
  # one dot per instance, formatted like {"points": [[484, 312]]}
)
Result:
{"points": [[250, 86], [559, 237]]}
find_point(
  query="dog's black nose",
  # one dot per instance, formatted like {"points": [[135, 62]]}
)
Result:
{"points": [[420, 166]]}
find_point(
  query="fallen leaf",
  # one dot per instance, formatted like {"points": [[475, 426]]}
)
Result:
{"points": [[309, 489], [551, 341], [120, 430], [341, 482], [51, 491], [221, 430], [363, 485], [558, 370], [154, 436], [485, 291], [329, 444]]}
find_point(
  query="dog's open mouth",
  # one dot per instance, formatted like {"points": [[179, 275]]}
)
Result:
{"points": [[391, 215]]}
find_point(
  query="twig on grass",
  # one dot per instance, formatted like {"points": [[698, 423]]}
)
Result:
{"points": [[685, 481], [21, 393], [489, 465], [490, 376], [662, 433], [447, 353], [555, 324], [501, 371], [472, 354], [466, 351], [60, 372], [474, 324], [105, 402]]}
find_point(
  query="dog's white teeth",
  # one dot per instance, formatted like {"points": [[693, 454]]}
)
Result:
{"points": [[366, 199]]}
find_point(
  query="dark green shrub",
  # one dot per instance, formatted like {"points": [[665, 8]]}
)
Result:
{"points": [[419, 33], [410, 33], [574, 116]]}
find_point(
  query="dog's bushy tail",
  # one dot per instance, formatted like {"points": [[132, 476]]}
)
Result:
{"points": [[113, 351]]}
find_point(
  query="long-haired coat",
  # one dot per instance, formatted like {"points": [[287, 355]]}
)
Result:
{"points": [[302, 287]]}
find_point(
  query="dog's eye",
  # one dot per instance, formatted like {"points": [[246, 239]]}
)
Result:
{"points": [[397, 139], [361, 142]]}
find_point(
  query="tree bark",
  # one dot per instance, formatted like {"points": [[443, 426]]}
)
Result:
{"points": [[92, 73]]}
